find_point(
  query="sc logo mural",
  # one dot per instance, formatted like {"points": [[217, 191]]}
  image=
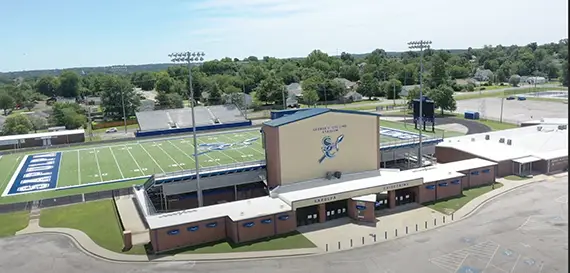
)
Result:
{"points": [[330, 147]]}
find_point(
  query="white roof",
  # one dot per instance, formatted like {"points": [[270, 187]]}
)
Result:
{"points": [[40, 135], [467, 164], [365, 198], [549, 121], [436, 173], [526, 141], [526, 159], [553, 154], [237, 211]]}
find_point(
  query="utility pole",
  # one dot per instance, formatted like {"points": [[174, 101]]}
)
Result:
{"points": [[394, 87], [421, 45], [190, 58], [90, 123]]}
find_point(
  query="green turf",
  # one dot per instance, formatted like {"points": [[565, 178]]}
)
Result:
{"points": [[10, 223], [96, 164], [97, 219], [451, 205], [515, 177]]}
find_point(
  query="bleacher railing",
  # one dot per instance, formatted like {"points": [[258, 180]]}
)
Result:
{"points": [[207, 169]]}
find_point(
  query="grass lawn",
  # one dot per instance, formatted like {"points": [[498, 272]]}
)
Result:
{"points": [[451, 205], [97, 219], [289, 241], [493, 87], [515, 177], [497, 126], [10, 223]]}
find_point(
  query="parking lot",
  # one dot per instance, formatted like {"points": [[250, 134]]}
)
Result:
{"points": [[514, 110]]}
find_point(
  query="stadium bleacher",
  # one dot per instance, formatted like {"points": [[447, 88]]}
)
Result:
{"points": [[182, 118]]}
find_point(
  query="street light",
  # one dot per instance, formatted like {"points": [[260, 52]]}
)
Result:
{"points": [[190, 58], [421, 45], [119, 68]]}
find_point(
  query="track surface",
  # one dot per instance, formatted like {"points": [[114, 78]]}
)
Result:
{"points": [[473, 127], [522, 231]]}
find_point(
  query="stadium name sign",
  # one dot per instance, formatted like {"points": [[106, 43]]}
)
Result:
{"points": [[36, 173], [329, 129]]}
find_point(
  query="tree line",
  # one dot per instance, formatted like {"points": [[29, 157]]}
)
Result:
{"points": [[377, 74]]}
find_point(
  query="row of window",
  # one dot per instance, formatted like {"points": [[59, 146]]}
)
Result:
{"points": [[283, 217], [483, 171], [444, 184]]}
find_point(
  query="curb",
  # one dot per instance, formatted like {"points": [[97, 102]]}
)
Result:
{"points": [[480, 205], [158, 260]]}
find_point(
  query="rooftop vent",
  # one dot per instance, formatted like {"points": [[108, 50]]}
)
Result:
{"points": [[502, 140], [539, 128], [487, 137], [509, 141], [473, 139], [329, 175], [562, 127], [241, 213]]}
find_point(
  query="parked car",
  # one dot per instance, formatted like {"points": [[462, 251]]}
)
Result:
{"points": [[510, 98], [111, 130], [521, 98]]}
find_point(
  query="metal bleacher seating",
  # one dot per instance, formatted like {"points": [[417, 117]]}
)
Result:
{"points": [[182, 118]]}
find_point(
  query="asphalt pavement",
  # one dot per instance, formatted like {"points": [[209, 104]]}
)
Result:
{"points": [[525, 230]]}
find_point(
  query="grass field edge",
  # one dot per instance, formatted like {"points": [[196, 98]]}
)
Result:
{"points": [[14, 175]]}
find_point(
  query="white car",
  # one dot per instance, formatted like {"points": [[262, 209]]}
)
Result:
{"points": [[111, 130]]}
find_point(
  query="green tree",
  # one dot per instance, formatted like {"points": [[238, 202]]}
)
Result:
{"points": [[443, 98], [6, 102], [310, 96], [392, 88], [17, 125], [271, 90], [38, 122], [438, 73], [350, 72], [163, 82], [69, 84], [116, 92], [169, 100], [514, 80], [564, 74], [369, 86], [47, 85]]}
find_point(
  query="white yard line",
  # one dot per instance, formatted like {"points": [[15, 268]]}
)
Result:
{"points": [[238, 150], [167, 154], [98, 166], [117, 162], [253, 146], [78, 168], [138, 166], [206, 154], [162, 170], [186, 154]]}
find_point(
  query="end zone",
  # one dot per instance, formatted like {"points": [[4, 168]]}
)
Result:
{"points": [[37, 172]]}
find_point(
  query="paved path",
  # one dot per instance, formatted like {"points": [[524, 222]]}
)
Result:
{"points": [[524, 231]]}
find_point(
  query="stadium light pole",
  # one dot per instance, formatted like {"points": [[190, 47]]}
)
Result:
{"points": [[190, 58], [421, 45], [119, 68]]}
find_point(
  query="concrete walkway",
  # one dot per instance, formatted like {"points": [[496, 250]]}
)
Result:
{"points": [[131, 220], [87, 245]]}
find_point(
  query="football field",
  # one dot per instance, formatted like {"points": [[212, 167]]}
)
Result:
{"points": [[122, 162]]}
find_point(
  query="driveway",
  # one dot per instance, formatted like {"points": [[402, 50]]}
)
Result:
{"points": [[523, 231]]}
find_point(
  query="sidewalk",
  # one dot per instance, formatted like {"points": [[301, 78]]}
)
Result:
{"points": [[382, 232]]}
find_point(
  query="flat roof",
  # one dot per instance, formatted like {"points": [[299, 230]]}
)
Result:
{"points": [[467, 164], [526, 141], [43, 134], [436, 173], [526, 159], [305, 114], [237, 211], [365, 198]]}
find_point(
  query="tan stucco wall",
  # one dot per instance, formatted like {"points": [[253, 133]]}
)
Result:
{"points": [[300, 146]]}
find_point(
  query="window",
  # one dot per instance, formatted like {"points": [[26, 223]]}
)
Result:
{"points": [[283, 217], [192, 228], [444, 184], [475, 173], [486, 171], [249, 224], [456, 181], [212, 224], [266, 221], [173, 232], [430, 187]]}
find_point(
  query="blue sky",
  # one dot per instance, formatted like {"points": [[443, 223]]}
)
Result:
{"points": [[38, 34]]}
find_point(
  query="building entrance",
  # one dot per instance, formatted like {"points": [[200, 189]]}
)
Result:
{"points": [[405, 196], [337, 209], [381, 201], [307, 215]]}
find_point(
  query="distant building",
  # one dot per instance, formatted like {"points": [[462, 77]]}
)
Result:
{"points": [[294, 89]]}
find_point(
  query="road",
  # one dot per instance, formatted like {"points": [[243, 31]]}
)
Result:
{"points": [[522, 231]]}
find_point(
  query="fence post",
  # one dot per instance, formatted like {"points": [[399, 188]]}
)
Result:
{"points": [[434, 222], [406, 229], [396, 232], [444, 219], [327, 247], [350, 242], [416, 227], [338, 244], [385, 234], [362, 239], [426, 224], [374, 237], [452, 216]]}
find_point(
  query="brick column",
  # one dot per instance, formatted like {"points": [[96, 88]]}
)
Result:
{"points": [[322, 213], [391, 199]]}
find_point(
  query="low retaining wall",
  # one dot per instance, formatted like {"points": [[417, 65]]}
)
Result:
{"points": [[189, 129]]}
